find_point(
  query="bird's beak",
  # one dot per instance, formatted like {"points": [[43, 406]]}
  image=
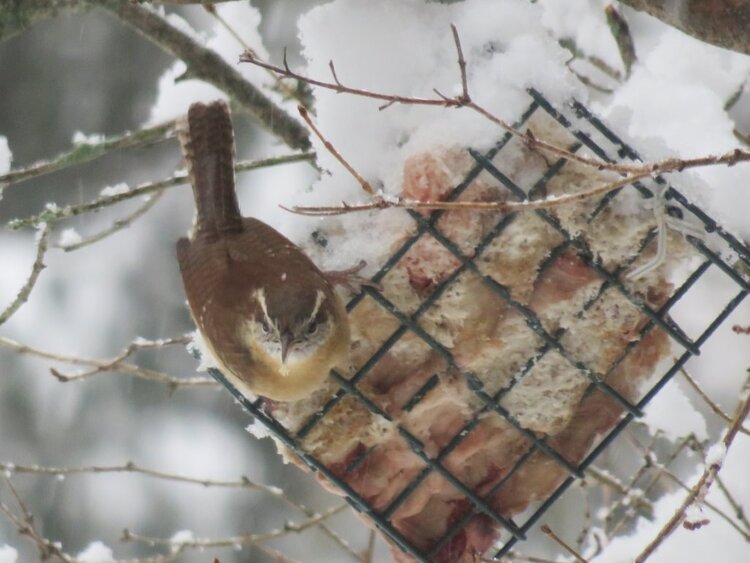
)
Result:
{"points": [[286, 345]]}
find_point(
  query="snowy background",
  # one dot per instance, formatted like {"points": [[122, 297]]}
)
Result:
{"points": [[89, 74]]}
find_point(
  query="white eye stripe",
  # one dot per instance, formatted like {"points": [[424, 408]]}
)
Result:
{"points": [[319, 296], [260, 297]]}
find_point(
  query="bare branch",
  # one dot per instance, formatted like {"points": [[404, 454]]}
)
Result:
{"points": [[554, 537], [251, 57], [516, 557], [87, 151], [16, 17], [712, 405], [203, 3], [273, 554], [570, 45], [329, 146], [464, 97], [36, 269], [108, 366], [663, 471], [24, 523], [53, 214], [644, 505], [631, 173], [205, 64], [700, 489], [462, 100], [284, 89], [738, 510], [719, 22], [242, 539], [131, 467], [370, 549], [620, 30], [639, 172], [116, 226]]}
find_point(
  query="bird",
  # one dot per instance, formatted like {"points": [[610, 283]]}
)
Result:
{"points": [[270, 317]]}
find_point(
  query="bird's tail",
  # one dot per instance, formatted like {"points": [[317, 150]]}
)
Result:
{"points": [[207, 142]]}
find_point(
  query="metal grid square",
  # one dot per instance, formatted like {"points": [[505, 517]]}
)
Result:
{"points": [[584, 128]]}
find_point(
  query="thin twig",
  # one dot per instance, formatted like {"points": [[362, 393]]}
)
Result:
{"points": [[620, 30], [110, 365], [36, 269], [205, 64], [279, 85], [191, 2], [242, 539], [116, 226], [712, 405], [273, 554], [603, 478], [252, 58], [87, 151], [586, 527], [461, 67], [739, 512], [516, 557], [53, 214], [25, 526], [662, 167], [329, 146], [554, 537], [662, 470], [369, 555], [106, 366], [48, 549], [632, 172], [569, 44], [719, 512], [462, 100], [131, 467], [700, 489]]}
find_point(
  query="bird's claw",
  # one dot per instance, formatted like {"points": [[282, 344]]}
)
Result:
{"points": [[349, 279]]}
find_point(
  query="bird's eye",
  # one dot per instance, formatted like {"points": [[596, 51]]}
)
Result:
{"points": [[312, 328], [265, 327]]}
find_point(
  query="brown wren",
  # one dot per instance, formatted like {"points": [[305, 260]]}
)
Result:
{"points": [[270, 317]]}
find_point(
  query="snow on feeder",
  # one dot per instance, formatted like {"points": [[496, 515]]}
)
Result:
{"points": [[505, 349]]}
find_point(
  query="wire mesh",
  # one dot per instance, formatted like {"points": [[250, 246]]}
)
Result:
{"points": [[725, 253]]}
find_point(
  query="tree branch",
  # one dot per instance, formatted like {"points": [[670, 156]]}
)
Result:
{"points": [[630, 172], [87, 151], [53, 213], [242, 539], [723, 23], [36, 269], [205, 64], [17, 16], [700, 489], [116, 364]]}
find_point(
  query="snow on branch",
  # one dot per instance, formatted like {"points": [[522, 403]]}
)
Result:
{"points": [[714, 462], [36, 269], [205, 64], [53, 213], [630, 172], [113, 365]]}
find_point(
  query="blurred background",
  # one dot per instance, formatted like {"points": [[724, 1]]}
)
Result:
{"points": [[88, 73]]}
